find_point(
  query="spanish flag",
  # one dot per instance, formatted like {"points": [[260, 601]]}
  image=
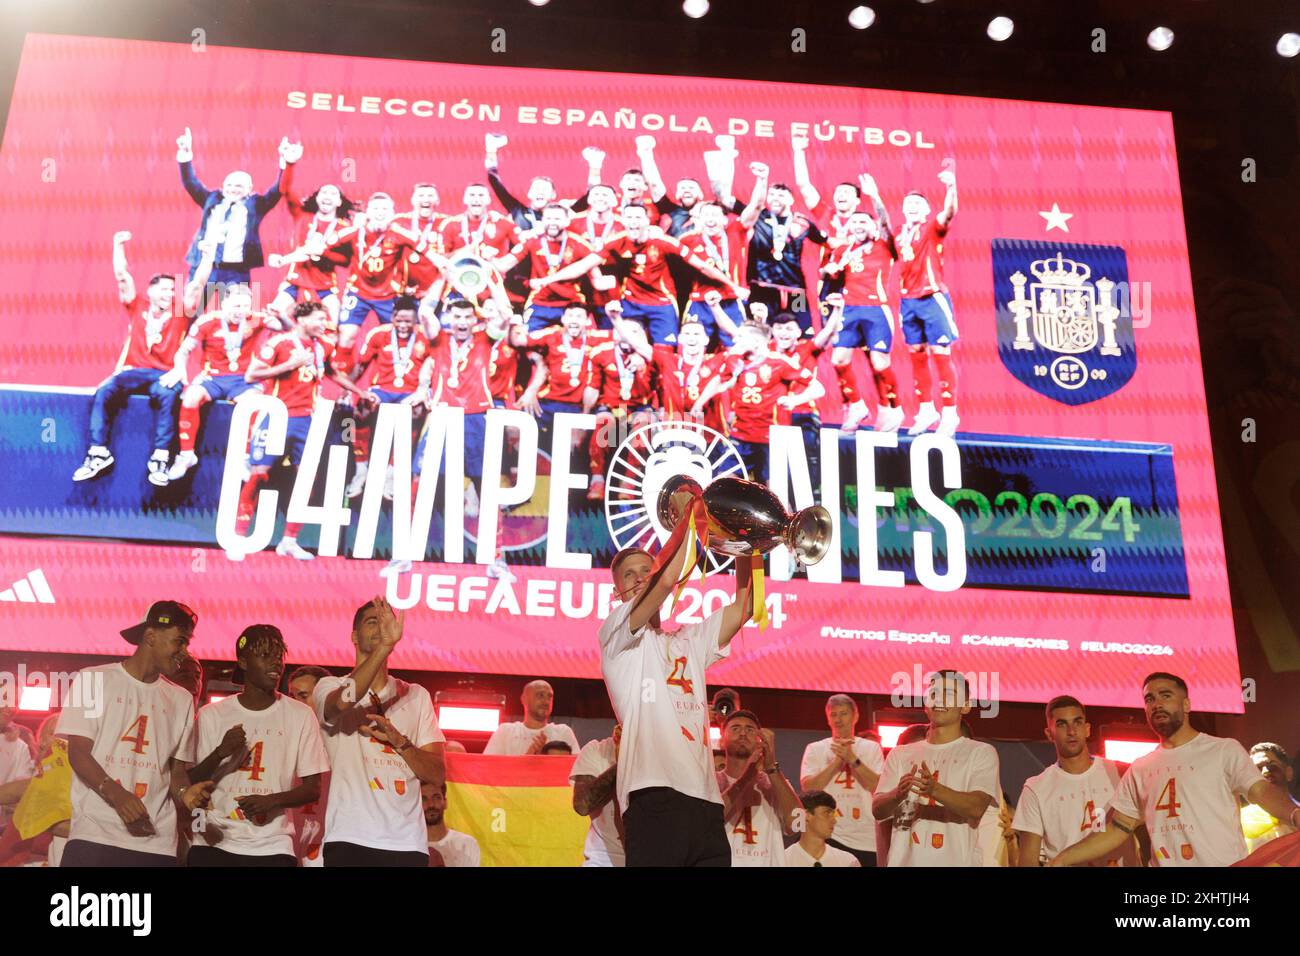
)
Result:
{"points": [[519, 809]]}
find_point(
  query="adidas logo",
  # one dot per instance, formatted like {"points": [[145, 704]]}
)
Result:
{"points": [[33, 589]]}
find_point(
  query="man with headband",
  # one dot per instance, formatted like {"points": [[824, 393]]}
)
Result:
{"points": [[269, 757], [667, 787]]}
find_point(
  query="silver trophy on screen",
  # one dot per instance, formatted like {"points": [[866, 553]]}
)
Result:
{"points": [[746, 518], [469, 275]]}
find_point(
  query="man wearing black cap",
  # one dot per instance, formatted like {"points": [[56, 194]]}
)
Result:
{"points": [[130, 733], [275, 762], [383, 742]]}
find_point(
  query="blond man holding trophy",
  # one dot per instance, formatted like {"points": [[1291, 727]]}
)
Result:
{"points": [[667, 788]]}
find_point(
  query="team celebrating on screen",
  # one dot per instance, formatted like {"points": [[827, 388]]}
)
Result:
{"points": [[624, 302], [351, 770]]}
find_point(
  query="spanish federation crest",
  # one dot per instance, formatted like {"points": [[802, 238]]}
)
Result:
{"points": [[1064, 325]]}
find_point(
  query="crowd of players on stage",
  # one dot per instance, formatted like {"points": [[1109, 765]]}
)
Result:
{"points": [[625, 302], [350, 770]]}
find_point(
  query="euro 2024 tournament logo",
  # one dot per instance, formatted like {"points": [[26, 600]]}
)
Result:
{"points": [[643, 464], [1064, 325]]}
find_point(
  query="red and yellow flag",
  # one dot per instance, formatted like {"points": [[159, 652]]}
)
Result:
{"points": [[519, 809]]}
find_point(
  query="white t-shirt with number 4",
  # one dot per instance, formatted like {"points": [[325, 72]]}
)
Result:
{"points": [[1063, 807], [756, 835], [374, 795], [137, 729], [854, 825], [515, 738], [1187, 796], [656, 684], [938, 837], [282, 745]]}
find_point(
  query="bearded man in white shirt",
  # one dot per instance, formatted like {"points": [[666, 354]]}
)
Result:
{"points": [[1185, 791]]}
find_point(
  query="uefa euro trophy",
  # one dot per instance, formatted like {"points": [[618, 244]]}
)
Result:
{"points": [[469, 275], [746, 518]]}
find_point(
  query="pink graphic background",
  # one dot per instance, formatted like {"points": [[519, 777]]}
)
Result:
{"points": [[89, 149]]}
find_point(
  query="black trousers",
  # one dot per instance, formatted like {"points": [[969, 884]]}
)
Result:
{"points": [[211, 856], [85, 853], [865, 857], [665, 828], [338, 853]]}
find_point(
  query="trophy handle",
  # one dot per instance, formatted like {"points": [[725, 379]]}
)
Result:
{"points": [[809, 534]]}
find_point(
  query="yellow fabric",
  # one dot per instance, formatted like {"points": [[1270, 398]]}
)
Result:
{"points": [[1256, 821], [690, 557], [48, 798], [760, 600], [517, 826]]}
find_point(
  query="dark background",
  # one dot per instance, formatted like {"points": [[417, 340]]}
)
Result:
{"points": [[1233, 100]]}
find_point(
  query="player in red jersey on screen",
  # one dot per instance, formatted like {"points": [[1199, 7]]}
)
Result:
{"points": [[846, 199], [504, 368], [758, 385], [633, 186], [927, 316], [478, 230], [146, 367], [376, 247], [293, 364], [226, 339], [622, 392], [526, 214], [317, 220], [595, 227], [867, 323], [683, 372], [457, 374], [723, 244], [566, 351], [546, 252], [788, 341], [648, 295], [394, 354], [425, 222]]}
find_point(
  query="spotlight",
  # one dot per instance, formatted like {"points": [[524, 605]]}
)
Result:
{"points": [[861, 17], [1000, 28], [469, 710], [889, 734], [34, 699], [1126, 751], [539, 3], [1288, 44], [695, 8], [1160, 39]]}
